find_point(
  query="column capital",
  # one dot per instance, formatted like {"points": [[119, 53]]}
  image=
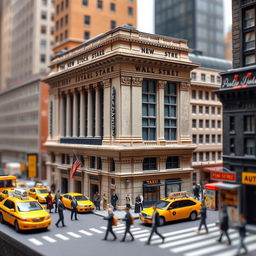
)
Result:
{"points": [[161, 84], [137, 81], [95, 86], [126, 81], [106, 83], [184, 86]]}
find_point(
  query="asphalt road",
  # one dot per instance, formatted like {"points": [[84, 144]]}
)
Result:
{"points": [[84, 237]]}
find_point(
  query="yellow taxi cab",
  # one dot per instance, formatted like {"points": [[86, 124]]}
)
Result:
{"points": [[23, 213], [21, 185], [39, 193], [6, 193], [84, 204], [175, 207]]}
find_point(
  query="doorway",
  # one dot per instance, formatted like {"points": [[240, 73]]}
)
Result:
{"points": [[93, 190], [78, 186], [64, 185]]}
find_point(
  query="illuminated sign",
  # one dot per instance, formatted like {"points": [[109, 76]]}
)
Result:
{"points": [[32, 165], [249, 178], [227, 176], [152, 181]]}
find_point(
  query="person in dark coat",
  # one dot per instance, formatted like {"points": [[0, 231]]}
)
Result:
{"points": [[203, 218], [196, 191], [242, 234], [97, 201], [74, 205], [56, 198], [128, 223], [114, 199], [109, 218], [137, 204], [49, 201], [61, 208], [155, 225], [224, 226], [128, 201]]}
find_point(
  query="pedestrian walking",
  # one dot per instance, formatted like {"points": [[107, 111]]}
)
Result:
{"points": [[74, 206], [56, 198], [104, 202], [114, 199], [98, 200], [137, 204], [203, 218], [141, 202], [49, 201], [224, 226], [155, 225], [196, 191], [128, 201], [61, 208], [110, 219], [128, 222], [242, 234]]}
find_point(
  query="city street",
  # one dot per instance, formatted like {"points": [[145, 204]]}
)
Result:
{"points": [[85, 237]]}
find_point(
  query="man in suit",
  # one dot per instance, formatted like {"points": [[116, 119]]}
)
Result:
{"points": [[114, 199], [74, 205], [61, 208], [224, 226], [155, 224], [56, 198], [128, 223], [109, 218], [203, 218]]}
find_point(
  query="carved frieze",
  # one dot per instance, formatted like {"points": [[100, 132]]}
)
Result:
{"points": [[137, 81], [106, 83], [125, 81], [161, 84], [184, 86]]}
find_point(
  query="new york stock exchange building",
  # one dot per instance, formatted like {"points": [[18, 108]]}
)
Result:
{"points": [[121, 103]]}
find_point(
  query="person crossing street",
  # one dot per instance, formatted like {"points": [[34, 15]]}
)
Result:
{"points": [[61, 208], [56, 198], [74, 205], [224, 226], [110, 219], [128, 222], [203, 218], [242, 235]]}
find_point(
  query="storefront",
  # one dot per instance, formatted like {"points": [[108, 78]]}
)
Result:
{"points": [[172, 185], [151, 191], [211, 195], [94, 185]]}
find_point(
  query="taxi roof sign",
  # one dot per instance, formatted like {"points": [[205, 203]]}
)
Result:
{"points": [[20, 193], [176, 195]]}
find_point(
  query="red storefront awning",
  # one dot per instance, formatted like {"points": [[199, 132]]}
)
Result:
{"points": [[212, 186]]}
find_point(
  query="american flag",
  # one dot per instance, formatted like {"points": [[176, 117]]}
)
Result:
{"points": [[75, 165]]}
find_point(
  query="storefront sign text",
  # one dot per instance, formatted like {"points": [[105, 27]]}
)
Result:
{"points": [[160, 71], [249, 178], [152, 181], [223, 176]]}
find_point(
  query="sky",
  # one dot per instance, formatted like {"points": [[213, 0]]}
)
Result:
{"points": [[146, 15]]}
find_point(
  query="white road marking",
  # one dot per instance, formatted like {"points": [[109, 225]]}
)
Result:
{"points": [[85, 232], [62, 237], [142, 235], [35, 241], [121, 228], [103, 228], [73, 234], [132, 229], [49, 239], [96, 230]]}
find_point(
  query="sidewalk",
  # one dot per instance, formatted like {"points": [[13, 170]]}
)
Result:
{"points": [[118, 214]]}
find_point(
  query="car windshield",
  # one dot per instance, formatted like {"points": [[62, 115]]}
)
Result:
{"points": [[42, 191], [81, 198], [162, 205], [29, 206]]}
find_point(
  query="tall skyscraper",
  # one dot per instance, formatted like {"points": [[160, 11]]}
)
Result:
{"points": [[80, 20], [198, 21]]}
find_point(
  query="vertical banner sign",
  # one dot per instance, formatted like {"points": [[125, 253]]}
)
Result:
{"points": [[113, 111], [32, 165]]}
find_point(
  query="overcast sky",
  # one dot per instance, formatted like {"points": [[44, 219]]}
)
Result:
{"points": [[146, 15]]}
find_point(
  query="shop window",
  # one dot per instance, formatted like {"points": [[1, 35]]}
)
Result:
{"points": [[151, 194], [87, 20], [249, 18], [149, 110], [100, 4], [149, 164], [194, 123], [194, 138], [250, 123], [112, 24], [194, 157], [193, 76], [193, 94], [170, 108], [112, 165], [172, 185], [130, 11], [172, 162], [112, 7], [99, 163], [249, 146], [232, 146], [92, 162], [194, 109], [85, 2]]}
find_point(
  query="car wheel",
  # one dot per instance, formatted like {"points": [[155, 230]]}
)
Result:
{"points": [[2, 218], [193, 216], [16, 225], [161, 221]]}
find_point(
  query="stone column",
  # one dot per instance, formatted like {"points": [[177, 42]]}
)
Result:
{"points": [[75, 112], [90, 120], [61, 128], [82, 114], [97, 113], [107, 111], [68, 118], [56, 116], [160, 110], [184, 130]]}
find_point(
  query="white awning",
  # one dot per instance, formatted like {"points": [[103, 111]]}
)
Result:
{"points": [[228, 186]]}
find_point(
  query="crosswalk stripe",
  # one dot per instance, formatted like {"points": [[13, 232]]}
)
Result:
{"points": [[140, 231], [62, 237], [179, 232], [35, 241], [73, 234], [85, 232], [96, 230], [49, 239], [132, 229], [120, 228], [103, 228], [142, 235]]}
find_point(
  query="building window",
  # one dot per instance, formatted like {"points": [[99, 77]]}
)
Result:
{"points": [[42, 58], [200, 123], [82, 161], [249, 18], [219, 155], [67, 3], [201, 139], [44, 15], [193, 94], [172, 162], [85, 2], [219, 124], [99, 163], [207, 95], [206, 110], [213, 138], [213, 156], [213, 95], [250, 59], [62, 6], [63, 158], [203, 77], [207, 138], [149, 164], [170, 109], [207, 156], [249, 146], [194, 157], [212, 79], [149, 110], [172, 185], [200, 96], [58, 9], [57, 25], [213, 123], [250, 123], [112, 165], [66, 19], [86, 35], [232, 146], [130, 11], [194, 123], [112, 7], [219, 111], [61, 22], [218, 79], [194, 109], [66, 34], [194, 138], [207, 123], [44, 2], [87, 20], [43, 29], [232, 124], [213, 110], [200, 110], [201, 156], [100, 4], [193, 76], [249, 41], [92, 162], [219, 138], [67, 159], [112, 24], [43, 44], [51, 117]]}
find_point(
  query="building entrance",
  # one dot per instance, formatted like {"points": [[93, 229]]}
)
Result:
{"points": [[250, 208], [78, 186], [94, 188], [64, 185]]}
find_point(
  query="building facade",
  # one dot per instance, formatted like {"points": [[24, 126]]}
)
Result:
{"points": [[121, 103], [23, 123], [238, 96], [198, 21], [78, 21]]}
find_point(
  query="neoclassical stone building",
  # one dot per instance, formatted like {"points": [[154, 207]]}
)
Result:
{"points": [[121, 102]]}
